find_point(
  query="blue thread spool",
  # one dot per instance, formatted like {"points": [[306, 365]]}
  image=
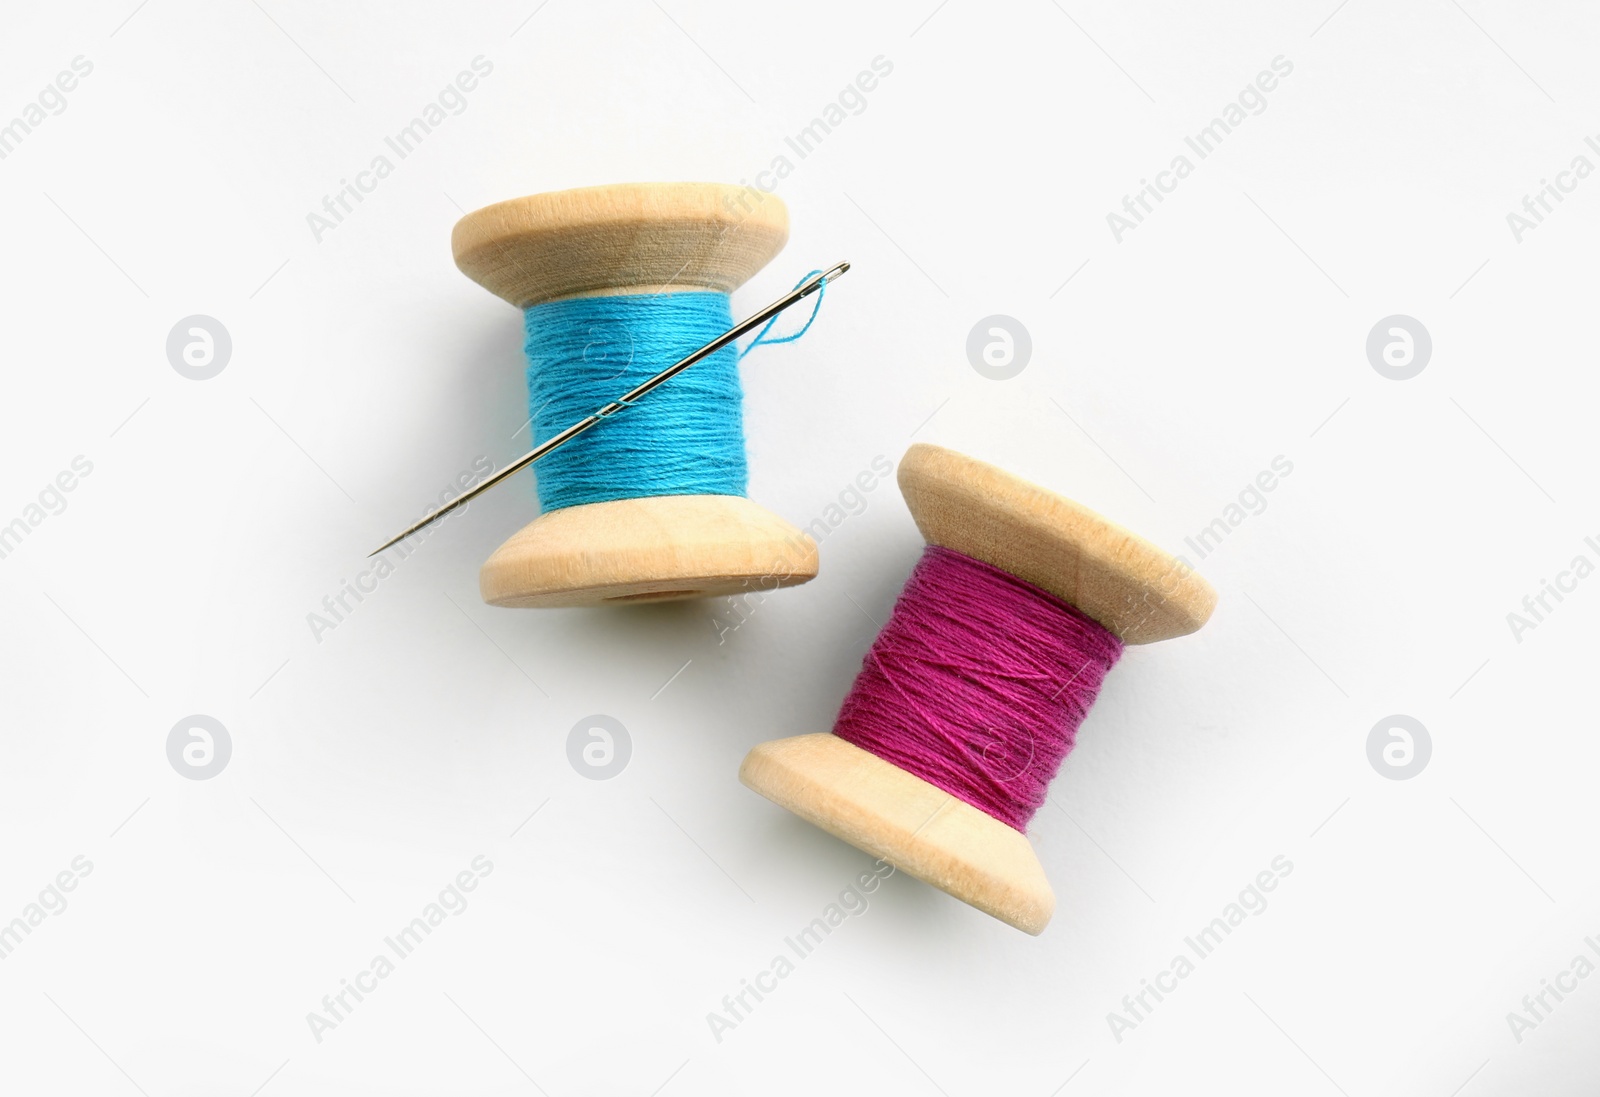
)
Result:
{"points": [[689, 532]]}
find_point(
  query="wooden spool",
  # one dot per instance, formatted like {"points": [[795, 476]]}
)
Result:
{"points": [[639, 238], [1129, 586]]}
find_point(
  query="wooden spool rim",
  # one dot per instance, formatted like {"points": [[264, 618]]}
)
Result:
{"points": [[1137, 591], [902, 819], [658, 548], [620, 238]]}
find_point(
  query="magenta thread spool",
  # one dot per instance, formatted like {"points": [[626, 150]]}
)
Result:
{"points": [[972, 694]]}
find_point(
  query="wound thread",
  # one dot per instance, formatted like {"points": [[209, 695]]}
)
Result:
{"points": [[978, 684], [685, 438]]}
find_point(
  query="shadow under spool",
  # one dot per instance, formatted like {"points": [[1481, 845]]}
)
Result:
{"points": [[634, 238], [1128, 586]]}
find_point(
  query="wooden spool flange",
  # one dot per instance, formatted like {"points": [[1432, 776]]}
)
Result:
{"points": [[1129, 586], [633, 238]]}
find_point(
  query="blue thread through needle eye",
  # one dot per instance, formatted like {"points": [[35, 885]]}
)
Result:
{"points": [[630, 399], [761, 336]]}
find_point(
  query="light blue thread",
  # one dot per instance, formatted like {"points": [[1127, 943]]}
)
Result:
{"points": [[761, 339], [686, 438]]}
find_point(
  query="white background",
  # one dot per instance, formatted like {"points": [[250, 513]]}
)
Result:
{"points": [[1167, 371]]}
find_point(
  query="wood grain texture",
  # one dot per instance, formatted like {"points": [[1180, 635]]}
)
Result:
{"points": [[622, 238], [656, 549], [637, 238], [1128, 585], [920, 829], [1134, 589]]}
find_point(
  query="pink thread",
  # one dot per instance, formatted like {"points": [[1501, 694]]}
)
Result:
{"points": [[978, 684]]}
